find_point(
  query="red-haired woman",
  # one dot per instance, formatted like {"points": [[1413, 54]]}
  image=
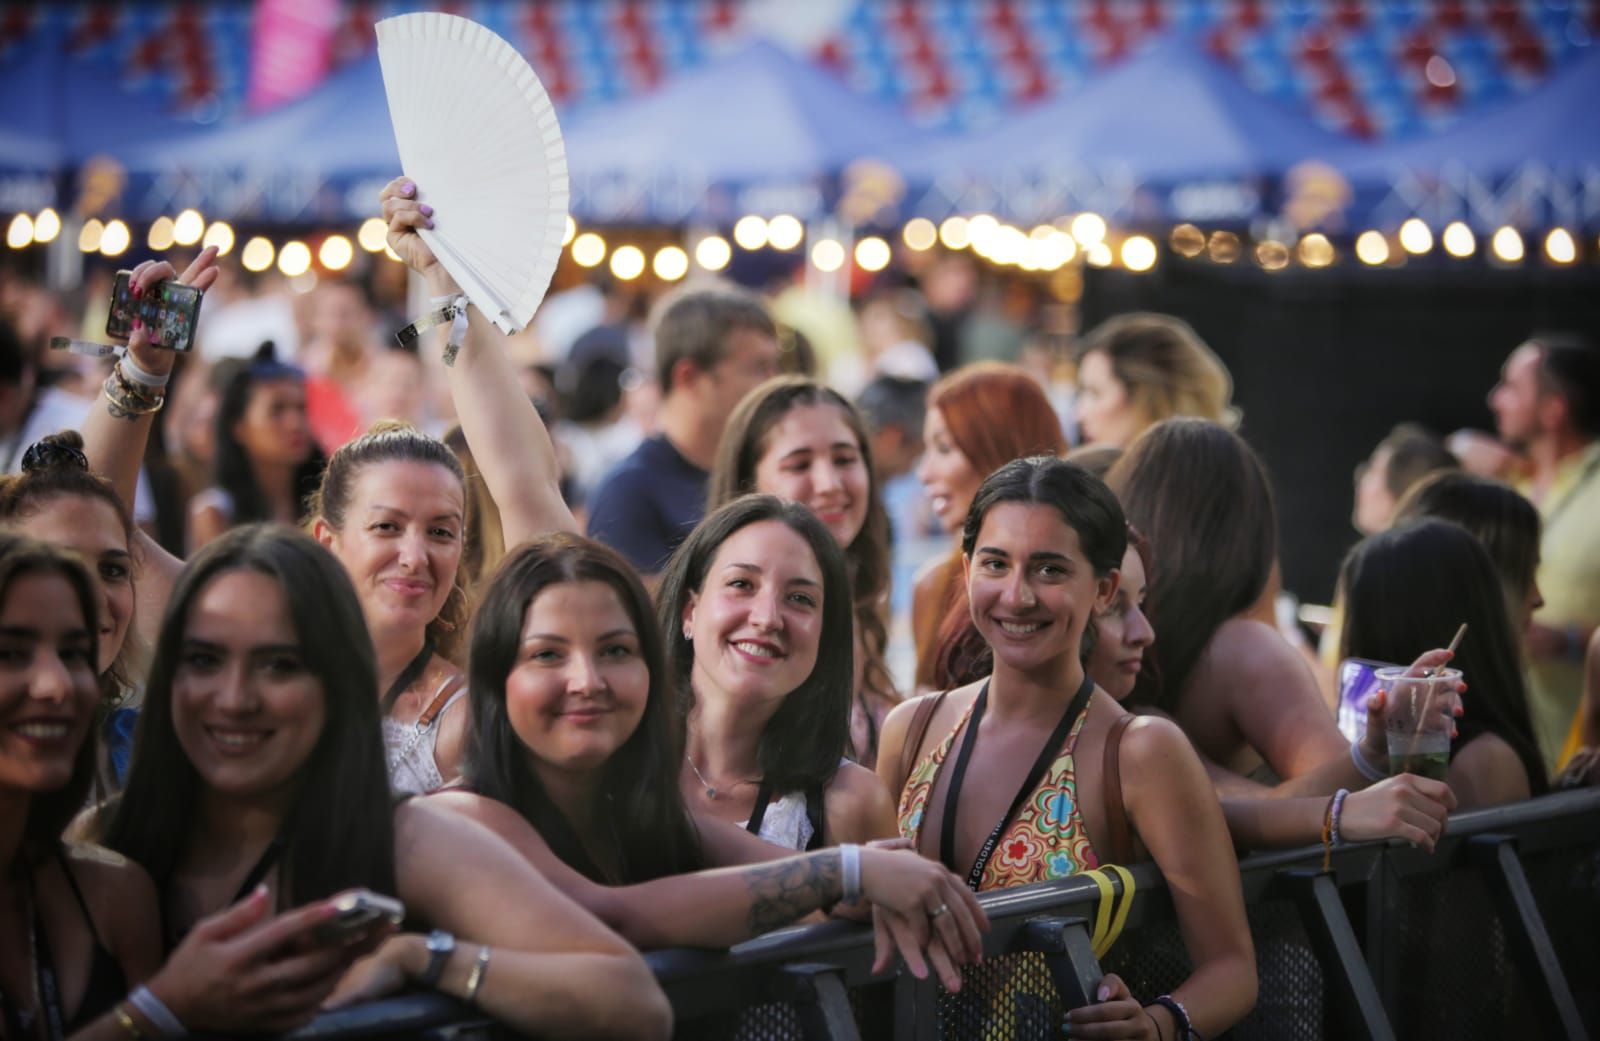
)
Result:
{"points": [[979, 418]]}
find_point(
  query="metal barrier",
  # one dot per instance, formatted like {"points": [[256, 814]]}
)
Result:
{"points": [[1495, 934]]}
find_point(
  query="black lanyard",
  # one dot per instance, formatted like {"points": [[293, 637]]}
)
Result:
{"points": [[46, 990], [1047, 755], [408, 675]]}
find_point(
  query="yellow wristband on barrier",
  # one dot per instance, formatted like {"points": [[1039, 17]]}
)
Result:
{"points": [[1108, 923]]}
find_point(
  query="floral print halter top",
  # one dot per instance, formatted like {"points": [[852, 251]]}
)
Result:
{"points": [[1045, 840]]}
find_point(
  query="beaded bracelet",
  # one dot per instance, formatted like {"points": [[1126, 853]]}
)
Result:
{"points": [[1334, 812], [1186, 1030]]}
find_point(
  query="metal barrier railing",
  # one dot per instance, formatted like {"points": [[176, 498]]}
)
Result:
{"points": [[1495, 934]]}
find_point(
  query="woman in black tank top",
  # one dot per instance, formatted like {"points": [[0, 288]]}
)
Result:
{"points": [[57, 969]]}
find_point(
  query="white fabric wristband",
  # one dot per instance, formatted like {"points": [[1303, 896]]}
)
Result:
{"points": [[160, 1017], [1370, 772], [850, 872], [138, 374]]}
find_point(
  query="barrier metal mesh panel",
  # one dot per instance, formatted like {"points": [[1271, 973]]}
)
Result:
{"points": [[1566, 886], [1458, 979], [872, 1006], [1010, 998], [1153, 961]]}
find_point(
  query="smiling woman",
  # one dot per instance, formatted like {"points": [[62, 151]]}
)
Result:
{"points": [[1041, 548], [747, 605], [259, 786], [56, 498], [795, 438]]}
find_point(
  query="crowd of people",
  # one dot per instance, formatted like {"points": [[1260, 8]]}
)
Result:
{"points": [[569, 687]]}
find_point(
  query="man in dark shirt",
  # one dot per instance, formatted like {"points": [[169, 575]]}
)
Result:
{"points": [[712, 347]]}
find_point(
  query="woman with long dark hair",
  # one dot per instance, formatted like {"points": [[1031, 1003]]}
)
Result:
{"points": [[965, 443], [1041, 549], [574, 758], [1244, 697], [266, 461], [1410, 588], [758, 616], [798, 439], [259, 779]]}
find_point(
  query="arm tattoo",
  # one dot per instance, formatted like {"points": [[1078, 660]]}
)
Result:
{"points": [[784, 890]]}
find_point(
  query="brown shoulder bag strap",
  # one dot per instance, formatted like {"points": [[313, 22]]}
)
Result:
{"points": [[914, 736], [1116, 813], [440, 700]]}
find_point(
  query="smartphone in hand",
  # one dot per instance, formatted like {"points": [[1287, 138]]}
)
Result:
{"points": [[168, 310], [357, 912]]}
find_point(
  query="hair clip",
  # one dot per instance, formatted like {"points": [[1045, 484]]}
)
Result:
{"points": [[43, 455]]}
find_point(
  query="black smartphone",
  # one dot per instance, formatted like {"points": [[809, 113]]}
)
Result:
{"points": [[167, 309], [359, 911]]}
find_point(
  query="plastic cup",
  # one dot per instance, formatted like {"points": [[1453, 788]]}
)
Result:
{"points": [[1418, 720]]}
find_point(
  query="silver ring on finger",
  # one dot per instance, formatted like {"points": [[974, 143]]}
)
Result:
{"points": [[937, 911]]}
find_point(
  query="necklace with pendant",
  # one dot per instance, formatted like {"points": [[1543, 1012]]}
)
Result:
{"points": [[711, 789]]}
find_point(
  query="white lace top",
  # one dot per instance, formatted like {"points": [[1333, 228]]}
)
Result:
{"points": [[786, 823], [409, 747]]}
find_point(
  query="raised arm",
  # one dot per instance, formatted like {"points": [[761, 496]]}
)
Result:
{"points": [[115, 442], [507, 437]]}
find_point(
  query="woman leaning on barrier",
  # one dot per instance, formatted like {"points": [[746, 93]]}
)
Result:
{"points": [[573, 758], [1242, 695], [1411, 587], [258, 792], [1041, 547], [1119, 656]]}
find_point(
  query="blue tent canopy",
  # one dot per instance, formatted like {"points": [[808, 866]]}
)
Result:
{"points": [[1168, 117], [759, 116], [1533, 161], [322, 157]]}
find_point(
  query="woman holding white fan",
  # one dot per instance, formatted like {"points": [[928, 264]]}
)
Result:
{"points": [[392, 508]]}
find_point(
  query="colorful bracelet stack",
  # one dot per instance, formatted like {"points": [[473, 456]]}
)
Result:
{"points": [[130, 397]]}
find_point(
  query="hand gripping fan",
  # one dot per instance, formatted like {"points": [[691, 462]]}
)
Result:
{"points": [[478, 134]]}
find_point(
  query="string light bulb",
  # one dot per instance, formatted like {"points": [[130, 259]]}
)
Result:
{"points": [[161, 235], [1416, 237], [954, 233], [750, 232], [20, 232], [827, 255], [46, 226], [294, 258], [89, 235], [1560, 247], [374, 234], [335, 253], [257, 254], [713, 253], [670, 264], [220, 235], [785, 232], [1507, 245], [188, 228], [1458, 239], [1139, 254], [588, 249], [1372, 248], [920, 234], [115, 240], [627, 262]]}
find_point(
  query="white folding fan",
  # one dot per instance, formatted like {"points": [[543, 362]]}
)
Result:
{"points": [[477, 133]]}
